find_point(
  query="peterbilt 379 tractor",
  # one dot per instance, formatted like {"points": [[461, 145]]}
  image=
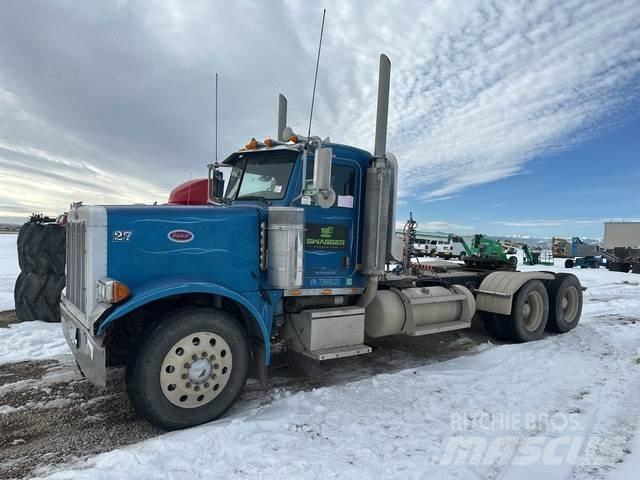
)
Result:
{"points": [[298, 250]]}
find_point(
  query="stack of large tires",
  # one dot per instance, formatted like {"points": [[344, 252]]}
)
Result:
{"points": [[41, 255]]}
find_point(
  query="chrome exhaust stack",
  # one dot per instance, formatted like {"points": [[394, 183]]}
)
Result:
{"points": [[282, 118], [384, 82], [378, 194]]}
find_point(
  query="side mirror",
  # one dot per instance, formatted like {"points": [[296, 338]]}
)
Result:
{"points": [[216, 184], [325, 196]]}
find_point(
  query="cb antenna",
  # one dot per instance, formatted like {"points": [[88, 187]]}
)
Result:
{"points": [[315, 80], [216, 121]]}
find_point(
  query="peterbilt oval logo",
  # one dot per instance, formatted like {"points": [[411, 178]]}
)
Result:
{"points": [[180, 236]]}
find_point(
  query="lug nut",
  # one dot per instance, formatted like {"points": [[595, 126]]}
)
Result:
{"points": [[188, 385], [196, 388], [212, 358], [194, 357], [206, 385], [216, 366], [184, 376], [187, 365], [204, 354]]}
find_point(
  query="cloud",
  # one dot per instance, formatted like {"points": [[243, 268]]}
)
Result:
{"points": [[559, 222], [437, 226], [114, 102]]}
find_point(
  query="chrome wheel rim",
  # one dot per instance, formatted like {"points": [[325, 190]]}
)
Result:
{"points": [[196, 369]]}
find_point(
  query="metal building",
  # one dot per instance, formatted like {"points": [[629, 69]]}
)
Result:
{"points": [[621, 234]]}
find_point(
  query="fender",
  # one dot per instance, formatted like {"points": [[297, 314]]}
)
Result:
{"points": [[495, 293], [163, 288]]}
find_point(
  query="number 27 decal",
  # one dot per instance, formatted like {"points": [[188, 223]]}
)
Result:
{"points": [[122, 235]]}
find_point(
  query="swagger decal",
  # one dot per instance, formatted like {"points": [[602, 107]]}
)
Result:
{"points": [[321, 236]]}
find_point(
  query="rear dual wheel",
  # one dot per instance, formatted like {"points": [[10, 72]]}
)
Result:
{"points": [[535, 308], [565, 295], [188, 368], [528, 318]]}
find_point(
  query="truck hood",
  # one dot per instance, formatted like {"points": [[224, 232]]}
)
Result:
{"points": [[210, 243]]}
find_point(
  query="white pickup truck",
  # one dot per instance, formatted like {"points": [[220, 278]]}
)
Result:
{"points": [[450, 249]]}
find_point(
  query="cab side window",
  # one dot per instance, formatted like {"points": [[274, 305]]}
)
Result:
{"points": [[343, 180]]}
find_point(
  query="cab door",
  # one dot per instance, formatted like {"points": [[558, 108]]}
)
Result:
{"points": [[332, 234]]}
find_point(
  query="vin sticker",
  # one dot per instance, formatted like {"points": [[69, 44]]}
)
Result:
{"points": [[122, 235]]}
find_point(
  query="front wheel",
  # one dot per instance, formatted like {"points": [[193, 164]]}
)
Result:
{"points": [[188, 368]]}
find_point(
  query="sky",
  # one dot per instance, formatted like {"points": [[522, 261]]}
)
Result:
{"points": [[510, 117]]}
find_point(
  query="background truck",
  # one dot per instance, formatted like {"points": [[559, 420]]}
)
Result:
{"points": [[296, 253]]}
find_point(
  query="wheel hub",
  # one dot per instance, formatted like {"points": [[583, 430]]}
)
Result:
{"points": [[526, 310], [196, 369], [200, 371]]}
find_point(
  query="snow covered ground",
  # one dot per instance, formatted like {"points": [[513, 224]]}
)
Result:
{"points": [[562, 407], [8, 269]]}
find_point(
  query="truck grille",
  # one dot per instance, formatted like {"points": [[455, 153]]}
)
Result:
{"points": [[76, 265]]}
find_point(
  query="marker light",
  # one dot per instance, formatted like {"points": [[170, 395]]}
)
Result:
{"points": [[112, 291], [252, 145], [268, 142]]}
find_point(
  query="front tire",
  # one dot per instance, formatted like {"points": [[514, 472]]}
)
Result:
{"points": [[188, 368]]}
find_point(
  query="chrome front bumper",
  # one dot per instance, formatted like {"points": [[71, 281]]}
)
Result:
{"points": [[90, 355]]}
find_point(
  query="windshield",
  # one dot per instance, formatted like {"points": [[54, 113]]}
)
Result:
{"points": [[260, 176]]}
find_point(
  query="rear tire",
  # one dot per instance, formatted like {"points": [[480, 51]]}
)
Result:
{"points": [[568, 263], [462, 256], [565, 303], [529, 313], [171, 394], [494, 325]]}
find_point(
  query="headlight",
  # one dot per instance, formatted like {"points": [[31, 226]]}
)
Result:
{"points": [[112, 291]]}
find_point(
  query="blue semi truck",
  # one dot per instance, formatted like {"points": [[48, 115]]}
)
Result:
{"points": [[296, 250]]}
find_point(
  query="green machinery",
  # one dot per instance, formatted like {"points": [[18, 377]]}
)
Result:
{"points": [[485, 252], [537, 258]]}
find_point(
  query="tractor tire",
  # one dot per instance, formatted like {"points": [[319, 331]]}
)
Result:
{"points": [[54, 248], [26, 259], [37, 297], [529, 313], [22, 235], [188, 368], [568, 263], [41, 248], [565, 303], [493, 324]]}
